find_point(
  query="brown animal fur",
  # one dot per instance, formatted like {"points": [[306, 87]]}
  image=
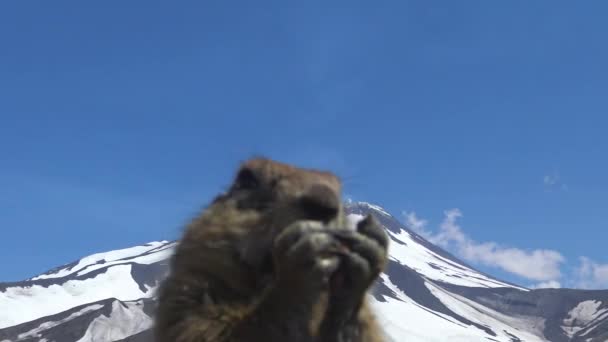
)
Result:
{"points": [[272, 260]]}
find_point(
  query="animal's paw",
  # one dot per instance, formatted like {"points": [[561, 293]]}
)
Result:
{"points": [[305, 256], [361, 262]]}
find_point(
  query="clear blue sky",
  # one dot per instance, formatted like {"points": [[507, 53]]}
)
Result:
{"points": [[118, 120]]}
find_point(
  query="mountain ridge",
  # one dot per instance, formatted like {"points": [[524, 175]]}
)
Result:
{"points": [[426, 294]]}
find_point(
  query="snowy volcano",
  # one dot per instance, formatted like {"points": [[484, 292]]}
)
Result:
{"points": [[426, 294]]}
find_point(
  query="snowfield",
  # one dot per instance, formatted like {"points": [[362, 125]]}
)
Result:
{"points": [[35, 333], [100, 260], [124, 321]]}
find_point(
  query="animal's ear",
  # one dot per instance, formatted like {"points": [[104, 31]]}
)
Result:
{"points": [[246, 179]]}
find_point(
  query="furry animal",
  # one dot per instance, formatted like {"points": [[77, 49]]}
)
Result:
{"points": [[273, 259]]}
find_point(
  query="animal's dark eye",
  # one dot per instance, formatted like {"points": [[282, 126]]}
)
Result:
{"points": [[246, 180]]}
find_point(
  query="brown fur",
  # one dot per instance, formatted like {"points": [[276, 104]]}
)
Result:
{"points": [[236, 275]]}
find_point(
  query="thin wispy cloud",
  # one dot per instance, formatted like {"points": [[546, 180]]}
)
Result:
{"points": [[542, 266], [591, 275], [550, 180], [416, 224], [537, 265], [551, 284], [553, 181]]}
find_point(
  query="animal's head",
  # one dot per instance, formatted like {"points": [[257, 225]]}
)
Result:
{"points": [[264, 198], [284, 193]]}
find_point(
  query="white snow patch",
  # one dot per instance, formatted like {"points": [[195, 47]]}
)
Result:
{"points": [[406, 320], [434, 266], [146, 259], [353, 219], [29, 303], [529, 329], [375, 207], [581, 315], [126, 319], [595, 323], [103, 258], [35, 333]]}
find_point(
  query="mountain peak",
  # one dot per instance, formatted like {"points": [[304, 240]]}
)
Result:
{"points": [[369, 206]]}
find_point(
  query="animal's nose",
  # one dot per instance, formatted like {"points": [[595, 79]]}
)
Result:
{"points": [[320, 203]]}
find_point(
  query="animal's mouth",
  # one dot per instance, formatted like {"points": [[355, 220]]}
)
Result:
{"points": [[340, 249]]}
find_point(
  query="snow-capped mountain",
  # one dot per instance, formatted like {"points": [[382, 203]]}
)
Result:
{"points": [[426, 294]]}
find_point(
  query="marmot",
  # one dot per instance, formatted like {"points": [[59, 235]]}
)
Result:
{"points": [[273, 259]]}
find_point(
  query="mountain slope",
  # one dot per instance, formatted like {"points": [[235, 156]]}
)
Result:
{"points": [[426, 294]]}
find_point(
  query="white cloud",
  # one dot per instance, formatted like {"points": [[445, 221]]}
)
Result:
{"points": [[553, 181], [591, 275], [449, 231], [539, 264], [416, 224], [551, 284]]}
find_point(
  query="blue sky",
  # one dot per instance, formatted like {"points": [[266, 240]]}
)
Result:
{"points": [[119, 121]]}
